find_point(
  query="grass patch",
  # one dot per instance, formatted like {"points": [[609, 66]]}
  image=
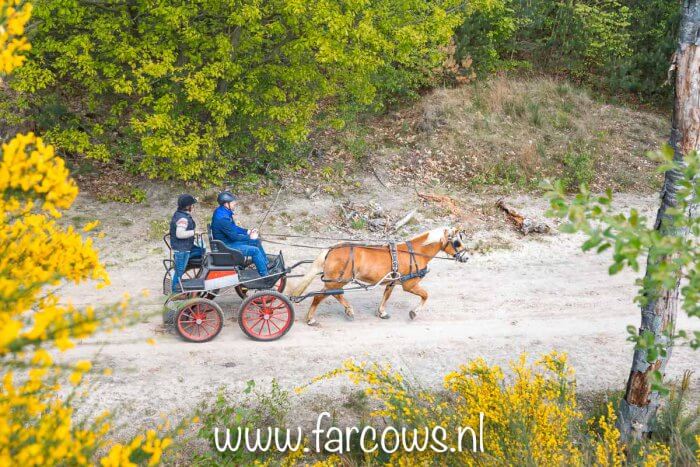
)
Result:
{"points": [[358, 223], [257, 409], [79, 221], [578, 169], [512, 132], [157, 228], [123, 194]]}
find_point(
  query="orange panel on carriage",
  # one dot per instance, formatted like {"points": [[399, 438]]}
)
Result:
{"points": [[216, 274]]}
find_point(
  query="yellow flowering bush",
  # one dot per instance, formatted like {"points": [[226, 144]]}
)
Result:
{"points": [[37, 425], [529, 418], [12, 40]]}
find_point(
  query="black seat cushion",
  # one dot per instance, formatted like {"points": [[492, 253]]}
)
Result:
{"points": [[195, 261]]}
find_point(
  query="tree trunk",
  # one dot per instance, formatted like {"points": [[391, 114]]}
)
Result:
{"points": [[640, 403]]}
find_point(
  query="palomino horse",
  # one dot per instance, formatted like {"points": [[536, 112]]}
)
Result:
{"points": [[372, 264]]}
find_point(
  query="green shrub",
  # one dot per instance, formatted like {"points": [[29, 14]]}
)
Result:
{"points": [[578, 169], [485, 34], [206, 88], [257, 410], [619, 45], [580, 38], [678, 423], [358, 223], [653, 40]]}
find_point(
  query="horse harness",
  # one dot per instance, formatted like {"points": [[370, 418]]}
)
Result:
{"points": [[394, 276]]}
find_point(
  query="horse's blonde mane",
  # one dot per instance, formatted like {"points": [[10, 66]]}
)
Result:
{"points": [[434, 236]]}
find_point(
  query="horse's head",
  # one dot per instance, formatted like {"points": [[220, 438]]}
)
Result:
{"points": [[452, 241], [455, 244]]}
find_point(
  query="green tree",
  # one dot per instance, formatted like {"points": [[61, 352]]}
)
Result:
{"points": [[485, 35], [204, 88], [580, 38], [653, 35], [672, 243]]}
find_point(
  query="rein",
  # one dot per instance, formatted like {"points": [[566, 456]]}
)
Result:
{"points": [[363, 245]]}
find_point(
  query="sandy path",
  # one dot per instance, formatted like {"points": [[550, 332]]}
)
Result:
{"points": [[545, 294]]}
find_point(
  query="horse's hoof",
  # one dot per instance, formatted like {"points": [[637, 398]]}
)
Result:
{"points": [[312, 322], [350, 315], [384, 315], [412, 314]]}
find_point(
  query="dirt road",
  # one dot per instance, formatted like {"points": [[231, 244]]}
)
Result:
{"points": [[539, 295]]}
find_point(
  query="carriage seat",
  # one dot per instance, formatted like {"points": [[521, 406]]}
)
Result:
{"points": [[191, 263], [223, 256]]}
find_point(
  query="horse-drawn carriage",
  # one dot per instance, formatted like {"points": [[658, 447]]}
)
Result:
{"points": [[266, 313]]}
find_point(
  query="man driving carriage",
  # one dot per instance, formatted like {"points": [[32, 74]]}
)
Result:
{"points": [[224, 228], [182, 234]]}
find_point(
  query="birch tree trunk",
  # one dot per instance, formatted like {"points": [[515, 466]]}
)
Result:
{"points": [[659, 313]]}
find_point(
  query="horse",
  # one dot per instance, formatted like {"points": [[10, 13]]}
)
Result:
{"points": [[346, 263]]}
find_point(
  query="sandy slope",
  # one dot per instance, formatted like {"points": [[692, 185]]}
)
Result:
{"points": [[542, 294]]}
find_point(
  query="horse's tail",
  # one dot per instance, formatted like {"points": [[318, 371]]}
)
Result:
{"points": [[316, 267]]}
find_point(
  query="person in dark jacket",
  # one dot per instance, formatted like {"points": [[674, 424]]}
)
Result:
{"points": [[224, 228], [182, 234]]}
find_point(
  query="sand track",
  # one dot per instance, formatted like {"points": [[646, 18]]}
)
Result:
{"points": [[541, 295]]}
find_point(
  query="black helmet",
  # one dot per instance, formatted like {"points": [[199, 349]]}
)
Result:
{"points": [[184, 201], [225, 197]]}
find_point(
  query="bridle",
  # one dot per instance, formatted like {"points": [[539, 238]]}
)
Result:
{"points": [[456, 242]]}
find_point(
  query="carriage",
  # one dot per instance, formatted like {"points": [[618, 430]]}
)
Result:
{"points": [[265, 313]]}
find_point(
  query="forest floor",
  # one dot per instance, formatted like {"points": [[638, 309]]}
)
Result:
{"points": [[533, 293]]}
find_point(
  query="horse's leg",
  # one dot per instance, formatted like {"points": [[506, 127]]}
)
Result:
{"points": [[310, 320], [382, 305], [341, 298], [349, 312], [416, 289]]}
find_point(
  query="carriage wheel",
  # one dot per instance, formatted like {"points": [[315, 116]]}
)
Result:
{"points": [[242, 290], [199, 320], [266, 316], [190, 273]]}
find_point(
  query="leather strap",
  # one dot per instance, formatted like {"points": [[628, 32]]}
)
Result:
{"points": [[394, 261], [348, 262]]}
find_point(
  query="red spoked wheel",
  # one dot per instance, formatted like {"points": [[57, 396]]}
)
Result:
{"points": [[266, 316], [242, 290], [199, 320]]}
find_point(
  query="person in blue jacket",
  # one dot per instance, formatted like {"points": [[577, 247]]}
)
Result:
{"points": [[224, 228]]}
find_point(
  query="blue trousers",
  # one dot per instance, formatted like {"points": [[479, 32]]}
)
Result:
{"points": [[181, 258], [254, 249]]}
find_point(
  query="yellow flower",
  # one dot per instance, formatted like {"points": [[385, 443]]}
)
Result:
{"points": [[83, 365], [36, 253], [91, 226], [12, 44]]}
